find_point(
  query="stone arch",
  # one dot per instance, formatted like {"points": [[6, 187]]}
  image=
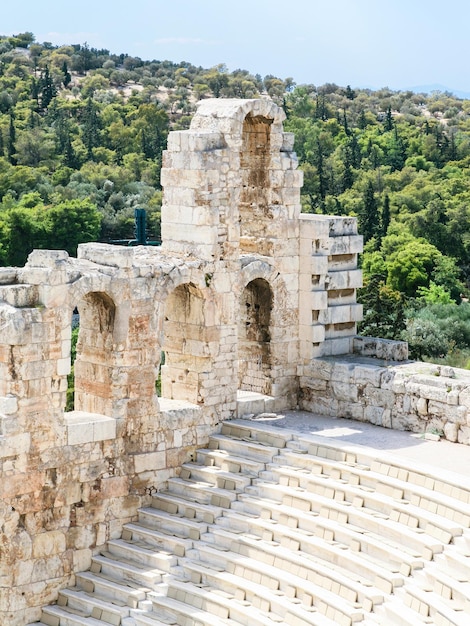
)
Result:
{"points": [[93, 362], [254, 337], [227, 116], [281, 337], [183, 343]]}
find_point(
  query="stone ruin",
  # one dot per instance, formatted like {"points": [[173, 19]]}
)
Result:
{"points": [[248, 306]]}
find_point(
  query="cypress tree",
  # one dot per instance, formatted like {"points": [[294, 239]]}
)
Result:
{"points": [[362, 121], [67, 77], [385, 221], [90, 128], [48, 90], [368, 215], [11, 146], [389, 119]]}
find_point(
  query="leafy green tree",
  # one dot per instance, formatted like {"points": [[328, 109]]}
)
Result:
{"points": [[425, 338], [70, 223], [25, 231], [435, 294]]}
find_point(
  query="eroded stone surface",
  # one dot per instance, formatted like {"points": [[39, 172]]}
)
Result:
{"points": [[245, 292]]}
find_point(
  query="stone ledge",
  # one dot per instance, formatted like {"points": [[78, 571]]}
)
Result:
{"points": [[83, 427]]}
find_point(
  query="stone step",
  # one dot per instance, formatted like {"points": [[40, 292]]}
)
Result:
{"points": [[398, 614], [445, 584], [181, 526], [253, 403], [434, 524], [123, 593], [429, 604], [258, 613], [93, 606], [182, 613], [455, 560], [151, 619], [175, 505], [257, 595], [394, 484], [215, 476], [345, 513], [296, 581], [335, 553], [127, 570], [229, 462], [266, 435], [251, 450], [203, 493], [141, 554], [386, 465], [154, 539], [271, 552], [372, 549], [54, 615]]}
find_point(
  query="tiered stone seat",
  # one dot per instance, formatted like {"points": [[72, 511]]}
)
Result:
{"points": [[268, 527]]}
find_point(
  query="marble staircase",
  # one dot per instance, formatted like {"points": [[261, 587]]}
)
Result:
{"points": [[267, 526]]}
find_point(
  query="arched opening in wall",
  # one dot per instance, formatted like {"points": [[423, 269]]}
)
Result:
{"points": [[255, 195], [254, 338], [92, 325], [185, 356]]}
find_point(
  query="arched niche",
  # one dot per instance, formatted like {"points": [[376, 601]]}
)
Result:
{"points": [[184, 348], [255, 194], [254, 338], [94, 350]]}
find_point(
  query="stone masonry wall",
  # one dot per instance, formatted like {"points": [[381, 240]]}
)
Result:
{"points": [[245, 294], [420, 397], [69, 480]]}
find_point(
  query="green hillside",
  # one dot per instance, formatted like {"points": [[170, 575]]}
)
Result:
{"points": [[81, 136]]}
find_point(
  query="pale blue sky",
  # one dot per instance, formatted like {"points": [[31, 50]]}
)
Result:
{"points": [[365, 43]]}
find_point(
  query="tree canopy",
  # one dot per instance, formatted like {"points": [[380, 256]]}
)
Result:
{"points": [[82, 132]]}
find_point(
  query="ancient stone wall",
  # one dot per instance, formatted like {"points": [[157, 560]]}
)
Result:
{"points": [[245, 294], [383, 389], [214, 310]]}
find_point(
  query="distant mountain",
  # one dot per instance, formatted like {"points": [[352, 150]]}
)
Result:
{"points": [[465, 95]]}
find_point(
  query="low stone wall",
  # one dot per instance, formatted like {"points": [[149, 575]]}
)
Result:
{"points": [[414, 396], [63, 504]]}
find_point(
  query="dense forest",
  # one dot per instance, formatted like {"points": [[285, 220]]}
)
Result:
{"points": [[82, 132]]}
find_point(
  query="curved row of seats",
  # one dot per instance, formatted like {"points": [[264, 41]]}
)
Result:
{"points": [[269, 527]]}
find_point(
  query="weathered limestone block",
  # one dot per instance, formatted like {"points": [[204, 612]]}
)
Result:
{"points": [[341, 314], [340, 226], [374, 415], [345, 279], [378, 397], [346, 244], [344, 392], [47, 544], [422, 406], [19, 295], [368, 375], [464, 435], [351, 411]]}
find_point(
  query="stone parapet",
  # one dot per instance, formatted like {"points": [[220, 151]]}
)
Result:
{"points": [[419, 397]]}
